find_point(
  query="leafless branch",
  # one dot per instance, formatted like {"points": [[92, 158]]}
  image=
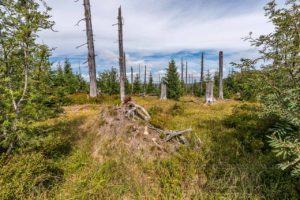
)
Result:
{"points": [[81, 45]]}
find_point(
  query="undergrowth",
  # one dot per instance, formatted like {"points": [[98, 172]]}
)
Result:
{"points": [[233, 161]]}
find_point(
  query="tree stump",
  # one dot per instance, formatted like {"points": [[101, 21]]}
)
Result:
{"points": [[209, 97], [163, 92]]}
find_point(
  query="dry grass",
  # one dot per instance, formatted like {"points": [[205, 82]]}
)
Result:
{"points": [[112, 158], [138, 169]]}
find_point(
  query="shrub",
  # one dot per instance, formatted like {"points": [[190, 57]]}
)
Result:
{"points": [[155, 110], [27, 174], [177, 109], [250, 129]]}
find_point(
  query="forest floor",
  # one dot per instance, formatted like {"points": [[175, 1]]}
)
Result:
{"points": [[101, 155]]}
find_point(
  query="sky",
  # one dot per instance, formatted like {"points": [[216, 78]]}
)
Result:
{"points": [[156, 31]]}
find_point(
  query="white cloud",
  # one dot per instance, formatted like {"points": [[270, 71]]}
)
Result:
{"points": [[153, 26]]}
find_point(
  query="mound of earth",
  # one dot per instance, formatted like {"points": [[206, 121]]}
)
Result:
{"points": [[118, 133]]}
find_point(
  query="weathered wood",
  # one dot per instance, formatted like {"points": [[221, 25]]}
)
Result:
{"points": [[132, 110], [186, 76], [221, 57], [170, 135], [121, 56], [202, 74], [131, 80], [91, 48], [139, 71], [182, 66], [163, 91], [145, 80], [209, 97], [192, 85]]}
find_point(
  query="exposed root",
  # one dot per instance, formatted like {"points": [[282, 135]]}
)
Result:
{"points": [[170, 135], [133, 110]]}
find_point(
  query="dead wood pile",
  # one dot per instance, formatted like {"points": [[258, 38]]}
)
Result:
{"points": [[134, 111]]}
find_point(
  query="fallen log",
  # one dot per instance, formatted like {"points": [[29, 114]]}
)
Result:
{"points": [[131, 110], [134, 111], [171, 134]]}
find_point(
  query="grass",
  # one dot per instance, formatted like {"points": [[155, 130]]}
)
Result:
{"points": [[221, 169]]}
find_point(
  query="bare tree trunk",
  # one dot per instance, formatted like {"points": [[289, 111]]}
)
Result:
{"points": [[121, 57], [163, 91], [202, 73], [131, 80], [186, 77], [182, 66], [125, 67], [193, 84], [145, 80], [140, 72], [221, 96], [91, 48], [209, 97]]}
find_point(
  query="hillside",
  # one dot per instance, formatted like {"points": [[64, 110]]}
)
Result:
{"points": [[86, 155]]}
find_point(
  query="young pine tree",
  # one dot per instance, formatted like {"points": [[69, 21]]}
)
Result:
{"points": [[150, 87], [137, 86], [25, 75], [173, 83], [108, 82]]}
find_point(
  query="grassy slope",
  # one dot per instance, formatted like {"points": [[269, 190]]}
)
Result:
{"points": [[219, 169]]}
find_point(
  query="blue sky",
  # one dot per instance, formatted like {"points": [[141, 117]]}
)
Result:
{"points": [[157, 31]]}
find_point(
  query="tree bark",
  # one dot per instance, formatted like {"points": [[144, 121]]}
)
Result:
{"points": [[131, 80], [209, 97], [91, 48], [202, 73], [163, 91], [121, 56], [221, 96], [186, 77], [182, 66], [145, 80]]}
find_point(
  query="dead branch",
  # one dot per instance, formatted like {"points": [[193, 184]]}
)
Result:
{"points": [[77, 24], [132, 110], [169, 135], [172, 134], [135, 111], [81, 45], [156, 144]]}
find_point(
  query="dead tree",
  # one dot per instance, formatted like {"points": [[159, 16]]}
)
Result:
{"points": [[131, 80], [140, 71], [182, 66], [163, 91], [125, 68], [145, 80], [209, 96], [202, 74], [121, 56], [192, 84], [91, 48], [221, 96], [186, 76]]}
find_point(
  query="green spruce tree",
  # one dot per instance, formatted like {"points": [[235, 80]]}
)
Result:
{"points": [[137, 86], [25, 74], [172, 80], [108, 82], [151, 89]]}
